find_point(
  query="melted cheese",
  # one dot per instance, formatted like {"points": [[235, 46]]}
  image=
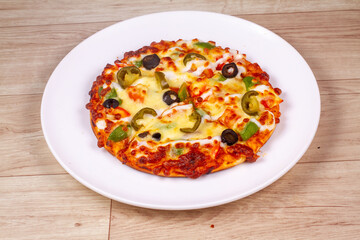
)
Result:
{"points": [[218, 98], [233, 85], [152, 98], [169, 123], [176, 79], [262, 128], [261, 88], [101, 124]]}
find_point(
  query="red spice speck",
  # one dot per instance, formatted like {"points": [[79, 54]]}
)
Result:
{"points": [[117, 116], [212, 225], [277, 91]]}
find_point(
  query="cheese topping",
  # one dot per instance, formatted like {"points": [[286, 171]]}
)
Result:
{"points": [[215, 96], [101, 124], [191, 104]]}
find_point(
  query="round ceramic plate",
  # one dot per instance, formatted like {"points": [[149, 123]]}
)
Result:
{"points": [[66, 124]]}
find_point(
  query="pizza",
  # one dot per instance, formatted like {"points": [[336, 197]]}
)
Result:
{"points": [[183, 108]]}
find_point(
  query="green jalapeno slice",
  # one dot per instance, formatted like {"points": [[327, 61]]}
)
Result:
{"points": [[194, 116], [127, 75], [140, 115], [192, 56], [183, 94], [249, 103], [160, 78]]}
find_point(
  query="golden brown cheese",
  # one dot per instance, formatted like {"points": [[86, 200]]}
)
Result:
{"points": [[158, 143]]}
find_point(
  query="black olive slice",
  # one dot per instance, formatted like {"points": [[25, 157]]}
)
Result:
{"points": [[143, 134], [156, 136], [170, 97], [229, 137], [229, 70], [111, 103], [150, 61]]}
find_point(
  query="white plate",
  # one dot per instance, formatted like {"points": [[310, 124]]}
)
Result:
{"points": [[66, 126]]}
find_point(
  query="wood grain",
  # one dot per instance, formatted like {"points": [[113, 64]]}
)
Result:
{"points": [[318, 199], [51, 207], [288, 209], [327, 40], [336, 143], [23, 149], [338, 135], [38, 58], [24, 13]]}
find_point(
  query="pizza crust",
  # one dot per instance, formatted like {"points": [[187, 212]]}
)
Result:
{"points": [[198, 153]]}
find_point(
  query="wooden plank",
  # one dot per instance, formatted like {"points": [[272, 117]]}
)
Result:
{"points": [[37, 59], [51, 207], [338, 134], [24, 150], [336, 87], [321, 39], [312, 201], [318, 199], [22, 13]]}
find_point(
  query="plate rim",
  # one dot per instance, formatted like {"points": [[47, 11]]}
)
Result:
{"points": [[190, 206]]}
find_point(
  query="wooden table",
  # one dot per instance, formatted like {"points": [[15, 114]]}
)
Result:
{"points": [[318, 199]]}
